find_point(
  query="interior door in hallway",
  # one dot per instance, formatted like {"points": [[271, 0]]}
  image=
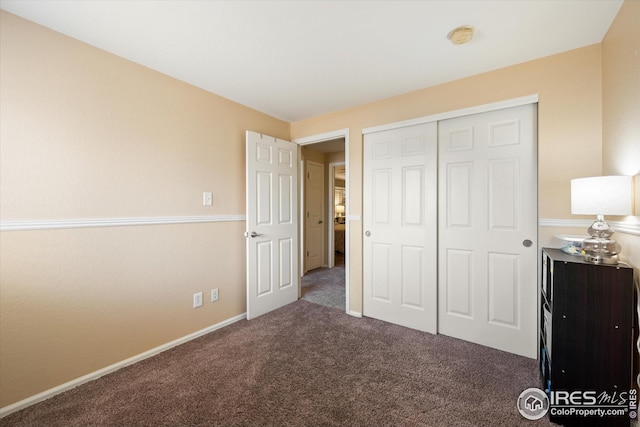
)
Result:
{"points": [[399, 219], [314, 215], [488, 229], [272, 223]]}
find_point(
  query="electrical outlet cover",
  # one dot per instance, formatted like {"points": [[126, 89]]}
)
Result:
{"points": [[197, 299]]}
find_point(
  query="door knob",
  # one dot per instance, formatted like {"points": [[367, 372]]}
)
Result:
{"points": [[527, 243], [320, 222], [253, 234], [367, 233]]}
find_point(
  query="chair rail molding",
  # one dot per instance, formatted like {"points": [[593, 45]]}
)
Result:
{"points": [[53, 224], [618, 226]]}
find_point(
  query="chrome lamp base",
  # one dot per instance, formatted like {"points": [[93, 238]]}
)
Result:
{"points": [[600, 248]]}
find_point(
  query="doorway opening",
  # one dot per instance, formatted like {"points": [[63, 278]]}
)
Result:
{"points": [[327, 285]]}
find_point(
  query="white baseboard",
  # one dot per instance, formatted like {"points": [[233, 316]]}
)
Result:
{"points": [[112, 368], [354, 313]]}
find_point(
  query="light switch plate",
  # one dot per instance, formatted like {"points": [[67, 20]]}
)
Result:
{"points": [[207, 199]]}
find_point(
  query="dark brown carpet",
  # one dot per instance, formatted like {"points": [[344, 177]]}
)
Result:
{"points": [[303, 365]]}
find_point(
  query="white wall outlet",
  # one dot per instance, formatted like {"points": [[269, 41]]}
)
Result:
{"points": [[214, 295], [197, 299], [207, 199]]}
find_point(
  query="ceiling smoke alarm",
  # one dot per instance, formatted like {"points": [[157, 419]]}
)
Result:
{"points": [[461, 35]]}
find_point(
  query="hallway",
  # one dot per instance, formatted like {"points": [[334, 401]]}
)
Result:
{"points": [[326, 286]]}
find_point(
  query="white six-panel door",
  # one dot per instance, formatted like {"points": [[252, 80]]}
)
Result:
{"points": [[488, 229], [314, 215], [399, 220], [272, 223]]}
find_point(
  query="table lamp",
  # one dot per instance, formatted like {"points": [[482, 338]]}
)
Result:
{"points": [[600, 196]]}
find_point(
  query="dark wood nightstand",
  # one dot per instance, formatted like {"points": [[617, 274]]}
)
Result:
{"points": [[586, 333]]}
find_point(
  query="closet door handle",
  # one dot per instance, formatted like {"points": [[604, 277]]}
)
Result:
{"points": [[367, 233]]}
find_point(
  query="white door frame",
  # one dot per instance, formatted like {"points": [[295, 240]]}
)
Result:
{"points": [[331, 244], [313, 139], [515, 102]]}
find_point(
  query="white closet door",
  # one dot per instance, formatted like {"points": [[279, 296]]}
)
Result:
{"points": [[488, 229], [399, 219]]}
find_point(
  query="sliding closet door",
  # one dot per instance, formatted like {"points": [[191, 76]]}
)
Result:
{"points": [[399, 220], [488, 229]]}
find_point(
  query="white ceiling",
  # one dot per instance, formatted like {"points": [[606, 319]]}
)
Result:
{"points": [[299, 59]]}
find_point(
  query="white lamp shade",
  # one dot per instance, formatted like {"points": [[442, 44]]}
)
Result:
{"points": [[602, 195]]}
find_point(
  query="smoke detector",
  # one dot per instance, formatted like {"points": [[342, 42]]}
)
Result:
{"points": [[461, 35]]}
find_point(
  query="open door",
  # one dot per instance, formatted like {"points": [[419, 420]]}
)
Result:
{"points": [[272, 223], [314, 216]]}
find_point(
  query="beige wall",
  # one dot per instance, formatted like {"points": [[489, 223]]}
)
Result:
{"points": [[569, 127], [86, 134], [621, 120], [621, 109]]}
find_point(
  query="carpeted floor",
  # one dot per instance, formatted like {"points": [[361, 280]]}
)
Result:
{"points": [[303, 365], [326, 286]]}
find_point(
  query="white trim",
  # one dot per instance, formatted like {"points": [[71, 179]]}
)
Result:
{"points": [[332, 195], [618, 226], [327, 136], [52, 224], [555, 222], [625, 227], [112, 368], [301, 240], [354, 313], [515, 102], [353, 218]]}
